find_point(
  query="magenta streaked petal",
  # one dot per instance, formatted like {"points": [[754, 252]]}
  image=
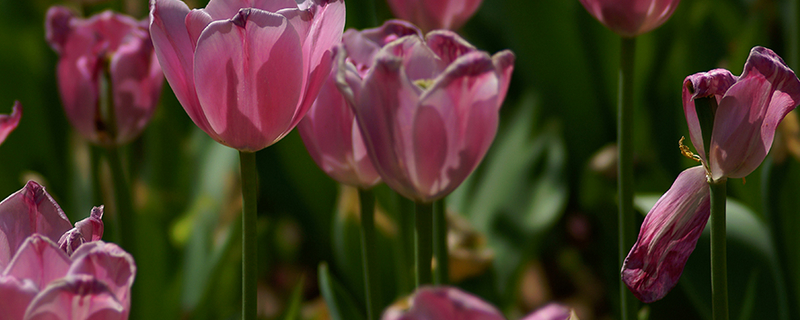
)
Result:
{"points": [[10, 122], [249, 95], [76, 297], [39, 260], [16, 296], [552, 311], [227, 9], [448, 45], [749, 114], [108, 263], [445, 303], [58, 25], [630, 18], [702, 85], [92, 227], [668, 236], [25, 212]]}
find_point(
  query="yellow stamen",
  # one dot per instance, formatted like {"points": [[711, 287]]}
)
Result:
{"points": [[424, 83], [686, 152]]}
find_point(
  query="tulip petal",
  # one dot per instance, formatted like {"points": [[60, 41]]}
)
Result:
{"points": [[39, 260], [9, 122], [250, 94], [749, 114], [196, 21], [227, 9], [362, 46], [17, 294], [108, 263], [58, 26], [668, 236], [175, 52], [504, 65], [701, 85], [630, 18], [445, 303], [419, 61], [448, 45], [552, 311], [76, 297], [78, 72], [25, 212]]}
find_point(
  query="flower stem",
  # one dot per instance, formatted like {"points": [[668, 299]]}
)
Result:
{"points": [[625, 167], [369, 253], [249, 175], [440, 243], [719, 269], [423, 242], [122, 199]]}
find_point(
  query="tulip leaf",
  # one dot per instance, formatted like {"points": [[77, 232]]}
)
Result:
{"points": [[340, 303], [293, 310]]}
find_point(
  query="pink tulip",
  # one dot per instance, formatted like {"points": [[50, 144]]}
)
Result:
{"points": [[630, 18], [329, 129], [246, 71], [444, 303], [106, 44], [749, 109], [435, 14], [552, 311], [9, 122], [427, 109]]}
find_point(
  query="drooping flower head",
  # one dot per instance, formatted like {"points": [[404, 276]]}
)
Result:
{"points": [[746, 110], [107, 54], [427, 109], [630, 18], [329, 130], [9, 122], [246, 71], [435, 14]]}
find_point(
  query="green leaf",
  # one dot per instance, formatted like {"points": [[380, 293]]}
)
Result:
{"points": [[293, 310], [340, 304]]}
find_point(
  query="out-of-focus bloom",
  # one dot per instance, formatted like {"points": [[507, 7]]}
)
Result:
{"points": [[435, 14], [449, 303], [107, 54], [329, 129], [41, 279], [630, 18], [9, 122], [748, 110], [427, 109], [246, 71]]}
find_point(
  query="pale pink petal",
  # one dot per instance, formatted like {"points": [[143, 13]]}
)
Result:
{"points": [[76, 297], [227, 9], [16, 295], [10, 122], [196, 21], [630, 18], [78, 72], [504, 65], [362, 46], [39, 260], [419, 61], [445, 303], [175, 53], [552, 311], [749, 114], [25, 212], [108, 263], [701, 85], [668, 236], [249, 95]]}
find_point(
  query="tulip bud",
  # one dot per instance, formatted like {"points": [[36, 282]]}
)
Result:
{"points": [[630, 18], [435, 14]]}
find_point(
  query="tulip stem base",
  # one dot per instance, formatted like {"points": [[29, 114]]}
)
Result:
{"points": [[423, 242], [719, 265], [369, 253], [126, 220], [249, 176], [627, 232], [441, 277]]}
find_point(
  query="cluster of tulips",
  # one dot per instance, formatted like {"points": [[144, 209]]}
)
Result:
{"points": [[411, 104]]}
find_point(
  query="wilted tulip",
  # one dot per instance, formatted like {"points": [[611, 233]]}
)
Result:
{"points": [[427, 108], [9, 122], [630, 18], [329, 129], [746, 112], [246, 72], [106, 59], [435, 14]]}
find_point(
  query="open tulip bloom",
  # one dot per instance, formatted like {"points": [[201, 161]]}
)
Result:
{"points": [[246, 71], [51, 270], [112, 46], [748, 110], [9, 122], [427, 109]]}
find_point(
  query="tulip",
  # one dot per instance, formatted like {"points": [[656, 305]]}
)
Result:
{"points": [[9, 122], [427, 109], [105, 60], [747, 112], [630, 18], [329, 129], [246, 72], [552, 311], [435, 14]]}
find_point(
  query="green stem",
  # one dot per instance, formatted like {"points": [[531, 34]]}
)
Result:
{"points": [[719, 269], [122, 200], [423, 242], [625, 167], [249, 173], [440, 243], [369, 253], [406, 282]]}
